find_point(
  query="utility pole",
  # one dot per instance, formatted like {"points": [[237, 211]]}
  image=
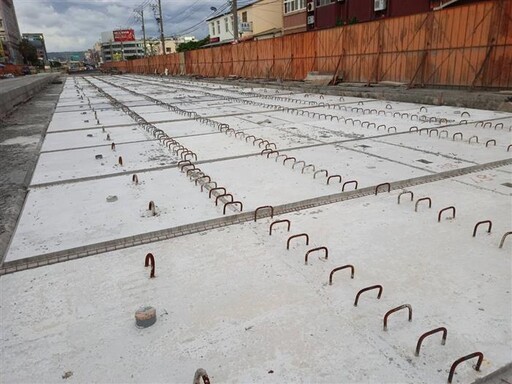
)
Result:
{"points": [[162, 40], [140, 12], [234, 11]]}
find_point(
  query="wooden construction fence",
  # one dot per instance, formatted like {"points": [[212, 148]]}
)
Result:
{"points": [[469, 46]]}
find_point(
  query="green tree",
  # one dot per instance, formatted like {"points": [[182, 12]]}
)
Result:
{"points": [[29, 52], [191, 45]]}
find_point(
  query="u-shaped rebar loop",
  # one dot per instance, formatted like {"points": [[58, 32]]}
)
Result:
{"points": [[232, 203], [201, 374], [433, 130], [239, 133], [288, 222], [443, 131], [151, 207], [307, 166], [296, 237], [269, 144], [509, 146], [278, 156], [150, 260], [429, 333], [135, 179], [265, 151], [463, 122], [388, 313], [490, 141], [215, 189], [423, 199], [349, 182], [423, 130], [379, 287], [503, 238], [257, 139], [182, 163], [487, 123], [178, 149], [473, 137], [223, 195], [264, 207], [405, 193], [382, 125], [467, 113], [452, 208], [333, 177], [352, 271], [457, 134], [396, 113], [271, 153], [189, 153], [264, 141], [480, 356], [321, 171], [443, 120], [365, 122], [289, 158], [391, 128], [202, 177], [383, 112], [351, 120], [249, 137], [489, 227], [120, 161], [389, 106], [382, 185], [208, 183], [404, 115], [374, 111], [229, 130], [432, 120], [298, 162], [413, 129], [193, 170], [326, 252], [423, 108], [185, 167]]}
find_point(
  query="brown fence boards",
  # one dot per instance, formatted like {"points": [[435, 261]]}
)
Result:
{"points": [[467, 45]]}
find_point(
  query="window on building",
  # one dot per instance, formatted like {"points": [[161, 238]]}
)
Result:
{"points": [[319, 3], [218, 27], [1, 24], [294, 5], [244, 17], [226, 24], [212, 25]]}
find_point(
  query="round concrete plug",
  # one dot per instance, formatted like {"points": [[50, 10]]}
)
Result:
{"points": [[145, 317]]}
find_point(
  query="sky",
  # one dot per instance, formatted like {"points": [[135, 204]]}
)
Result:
{"points": [[75, 25]]}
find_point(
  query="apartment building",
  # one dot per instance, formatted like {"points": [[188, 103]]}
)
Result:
{"points": [[9, 34], [258, 20]]}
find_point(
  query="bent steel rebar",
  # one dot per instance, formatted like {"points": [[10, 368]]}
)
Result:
{"points": [[258, 139], [443, 131], [321, 171], [463, 122], [232, 203], [270, 144], [120, 161], [193, 170], [490, 141], [382, 125], [207, 184], [296, 237], [423, 199], [298, 162], [150, 260], [349, 182], [391, 128], [113, 146], [482, 222], [326, 252], [189, 153], [249, 137], [413, 129], [480, 356], [223, 195], [508, 148], [352, 270], [499, 124], [307, 166], [487, 124], [201, 374], [433, 130], [264, 207], [388, 313], [288, 222], [389, 106], [265, 151], [405, 193], [457, 134], [151, 207], [201, 178], [423, 108], [382, 185], [503, 238], [467, 113], [452, 208], [473, 137], [216, 189], [135, 179], [184, 163], [272, 152], [423, 130], [289, 158], [333, 177], [379, 287], [429, 333]]}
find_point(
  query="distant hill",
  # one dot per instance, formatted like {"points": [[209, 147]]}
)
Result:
{"points": [[64, 56]]}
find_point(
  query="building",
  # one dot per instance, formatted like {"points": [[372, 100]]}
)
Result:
{"points": [[258, 20], [171, 43], [304, 15], [120, 45], [9, 34], [37, 40]]}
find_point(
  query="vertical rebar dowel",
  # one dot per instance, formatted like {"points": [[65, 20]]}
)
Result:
{"points": [[150, 260]]}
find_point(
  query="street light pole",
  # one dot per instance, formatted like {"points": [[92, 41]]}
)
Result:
{"points": [[234, 11]]}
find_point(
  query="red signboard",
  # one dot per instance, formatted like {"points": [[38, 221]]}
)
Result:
{"points": [[214, 39], [124, 35]]}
